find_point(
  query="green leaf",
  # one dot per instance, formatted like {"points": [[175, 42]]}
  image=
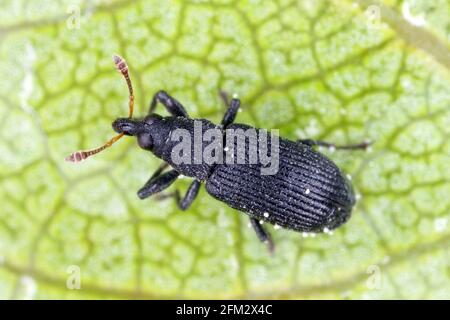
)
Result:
{"points": [[319, 69]]}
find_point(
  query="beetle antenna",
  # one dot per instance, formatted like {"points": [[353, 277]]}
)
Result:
{"points": [[122, 67], [79, 156]]}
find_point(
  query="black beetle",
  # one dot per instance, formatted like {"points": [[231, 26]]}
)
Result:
{"points": [[308, 193]]}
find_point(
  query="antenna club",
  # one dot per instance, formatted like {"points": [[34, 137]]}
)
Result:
{"points": [[77, 156], [117, 58], [120, 63]]}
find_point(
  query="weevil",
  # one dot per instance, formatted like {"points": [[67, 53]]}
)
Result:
{"points": [[308, 192]]}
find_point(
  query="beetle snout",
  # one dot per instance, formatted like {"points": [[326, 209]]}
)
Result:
{"points": [[127, 126]]}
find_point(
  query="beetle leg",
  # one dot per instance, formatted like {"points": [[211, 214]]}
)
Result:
{"points": [[231, 112], [363, 145], [158, 171], [157, 184], [172, 105], [262, 234], [224, 96], [188, 198]]}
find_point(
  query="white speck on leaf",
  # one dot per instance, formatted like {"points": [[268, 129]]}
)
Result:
{"points": [[233, 263], [28, 83], [415, 20], [440, 224], [312, 129], [29, 287], [229, 239]]}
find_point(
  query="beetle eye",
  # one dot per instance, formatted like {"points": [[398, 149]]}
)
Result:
{"points": [[145, 141], [151, 118]]}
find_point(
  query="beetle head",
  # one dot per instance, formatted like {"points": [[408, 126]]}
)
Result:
{"points": [[139, 128], [128, 127]]}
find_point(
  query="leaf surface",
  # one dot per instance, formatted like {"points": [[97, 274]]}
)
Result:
{"points": [[312, 69]]}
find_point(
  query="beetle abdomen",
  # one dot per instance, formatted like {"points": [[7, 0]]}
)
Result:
{"points": [[308, 193]]}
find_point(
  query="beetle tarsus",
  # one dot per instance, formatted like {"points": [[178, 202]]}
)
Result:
{"points": [[263, 235]]}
